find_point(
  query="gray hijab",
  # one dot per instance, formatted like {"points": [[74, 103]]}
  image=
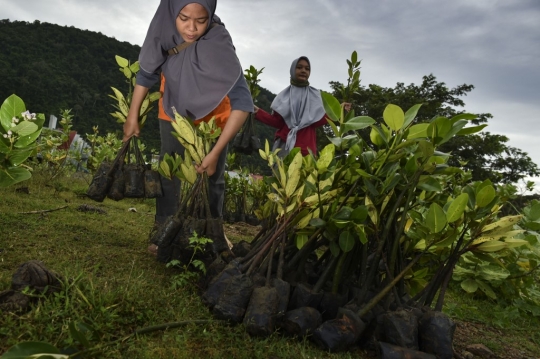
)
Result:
{"points": [[199, 77], [300, 107]]}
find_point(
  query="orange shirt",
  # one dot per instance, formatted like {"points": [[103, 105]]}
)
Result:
{"points": [[221, 112]]}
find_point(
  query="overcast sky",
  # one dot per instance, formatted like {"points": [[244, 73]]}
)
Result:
{"points": [[492, 44]]}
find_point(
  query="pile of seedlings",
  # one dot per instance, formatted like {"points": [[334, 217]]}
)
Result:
{"points": [[358, 246], [246, 141], [359, 249], [127, 176], [193, 215]]}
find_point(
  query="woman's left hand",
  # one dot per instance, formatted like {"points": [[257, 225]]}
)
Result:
{"points": [[208, 164]]}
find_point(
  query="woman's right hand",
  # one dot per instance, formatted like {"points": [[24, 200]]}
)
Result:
{"points": [[131, 128]]}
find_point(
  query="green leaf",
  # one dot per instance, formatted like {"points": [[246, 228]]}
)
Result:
{"points": [[359, 214], [436, 218], [464, 116], [121, 61], [456, 127], [344, 214], [377, 136], [361, 234], [78, 335], [358, 123], [534, 212], [346, 241], [16, 157], [492, 246], [13, 106], [135, 67], [317, 223], [485, 196], [469, 285], [293, 174], [25, 141], [334, 248], [394, 117], [325, 158], [331, 106], [301, 240], [457, 207], [411, 114], [486, 288], [418, 131], [25, 128], [26, 349], [438, 129], [471, 130], [430, 184]]}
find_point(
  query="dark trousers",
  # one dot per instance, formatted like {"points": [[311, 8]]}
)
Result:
{"points": [[168, 204]]}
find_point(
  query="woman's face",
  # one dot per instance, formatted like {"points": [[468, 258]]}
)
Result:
{"points": [[192, 22], [302, 71]]}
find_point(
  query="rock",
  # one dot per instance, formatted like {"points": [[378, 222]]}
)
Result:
{"points": [[467, 355], [480, 350]]}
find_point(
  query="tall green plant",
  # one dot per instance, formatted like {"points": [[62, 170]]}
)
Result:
{"points": [[123, 102], [19, 130]]}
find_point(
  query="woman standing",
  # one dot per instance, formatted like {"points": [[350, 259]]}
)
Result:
{"points": [[188, 47], [297, 111]]}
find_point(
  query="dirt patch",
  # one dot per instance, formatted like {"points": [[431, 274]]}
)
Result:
{"points": [[240, 231], [496, 340]]}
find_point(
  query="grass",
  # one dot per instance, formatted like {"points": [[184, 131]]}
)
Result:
{"points": [[114, 286]]}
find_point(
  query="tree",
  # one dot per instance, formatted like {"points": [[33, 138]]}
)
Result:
{"points": [[485, 155]]}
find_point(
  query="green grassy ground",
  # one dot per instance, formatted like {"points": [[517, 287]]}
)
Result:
{"points": [[116, 287]]}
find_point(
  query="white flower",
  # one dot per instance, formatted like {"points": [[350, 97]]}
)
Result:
{"points": [[28, 116], [5, 136], [9, 133]]}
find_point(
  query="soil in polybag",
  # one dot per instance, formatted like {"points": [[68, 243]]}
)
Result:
{"points": [[234, 299], [301, 321], [241, 248], [218, 285], [284, 292], [260, 317], [339, 334], [134, 180], [399, 328], [164, 237], [116, 191], [152, 184], [389, 351], [34, 275], [303, 296], [101, 182], [330, 304], [214, 231], [436, 334], [13, 301]]}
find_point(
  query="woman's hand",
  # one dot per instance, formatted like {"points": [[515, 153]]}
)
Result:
{"points": [[208, 164], [255, 109], [131, 128]]}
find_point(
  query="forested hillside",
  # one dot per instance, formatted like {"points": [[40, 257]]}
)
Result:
{"points": [[54, 67]]}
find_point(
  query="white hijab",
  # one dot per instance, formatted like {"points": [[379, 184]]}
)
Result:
{"points": [[299, 104]]}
